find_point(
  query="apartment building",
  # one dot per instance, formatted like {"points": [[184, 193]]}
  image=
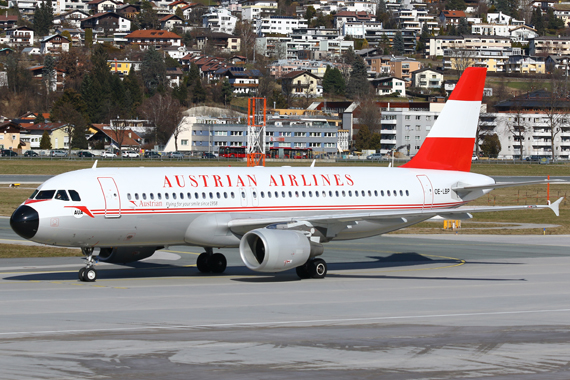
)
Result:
{"points": [[494, 60], [549, 46], [256, 9], [437, 45], [219, 20], [279, 25], [525, 64], [411, 18]]}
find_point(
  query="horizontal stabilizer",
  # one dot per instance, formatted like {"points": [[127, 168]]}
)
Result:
{"points": [[505, 184]]}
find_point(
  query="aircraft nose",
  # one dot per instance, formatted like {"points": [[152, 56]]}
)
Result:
{"points": [[25, 221]]}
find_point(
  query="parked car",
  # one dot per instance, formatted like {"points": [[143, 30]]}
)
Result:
{"points": [[177, 155], [151, 154], [108, 154], [85, 154], [474, 158], [8, 153], [208, 155], [58, 153], [374, 156], [30, 153], [131, 154]]}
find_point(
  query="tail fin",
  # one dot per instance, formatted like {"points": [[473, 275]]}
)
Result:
{"points": [[449, 144]]}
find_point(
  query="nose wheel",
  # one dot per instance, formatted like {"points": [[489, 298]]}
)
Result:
{"points": [[209, 262], [88, 274]]}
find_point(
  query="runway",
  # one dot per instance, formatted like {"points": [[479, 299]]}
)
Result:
{"points": [[392, 307]]}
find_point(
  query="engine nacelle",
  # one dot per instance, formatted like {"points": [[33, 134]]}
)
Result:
{"points": [[122, 255], [271, 250]]}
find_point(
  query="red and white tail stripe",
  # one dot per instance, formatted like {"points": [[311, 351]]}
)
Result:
{"points": [[449, 144]]}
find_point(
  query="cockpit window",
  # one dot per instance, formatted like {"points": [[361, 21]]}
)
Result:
{"points": [[61, 195], [45, 194], [74, 196], [34, 194]]}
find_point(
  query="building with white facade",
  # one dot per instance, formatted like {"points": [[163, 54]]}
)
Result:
{"points": [[437, 45], [256, 9], [491, 30], [411, 18], [219, 20], [279, 25]]}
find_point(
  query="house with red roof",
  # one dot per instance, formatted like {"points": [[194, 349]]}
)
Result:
{"points": [[106, 137], [451, 17], [343, 17], [156, 38], [169, 22], [7, 22]]}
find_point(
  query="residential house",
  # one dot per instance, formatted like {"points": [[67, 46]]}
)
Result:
{"points": [[106, 23], [77, 35], [20, 36], [546, 46], [491, 30], [451, 17], [219, 20], [243, 82], [380, 64], [58, 135], [176, 4], [412, 18], [523, 34], [174, 76], [129, 11], [98, 6], [32, 51], [389, 86], [73, 18], [501, 18], [344, 16], [222, 41], [427, 78], [556, 62], [279, 25], [117, 138], [401, 67], [8, 22], [170, 22], [54, 44], [10, 135], [57, 79], [156, 38], [255, 9], [123, 66], [301, 83]]}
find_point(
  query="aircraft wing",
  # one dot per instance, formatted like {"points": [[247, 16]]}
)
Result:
{"points": [[241, 226], [498, 185]]}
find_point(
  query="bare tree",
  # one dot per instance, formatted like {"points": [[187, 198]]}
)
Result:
{"points": [[517, 126], [461, 59], [244, 30], [164, 114], [556, 112]]}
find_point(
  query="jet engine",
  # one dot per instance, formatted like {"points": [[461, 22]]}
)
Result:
{"points": [[273, 250], [122, 255]]}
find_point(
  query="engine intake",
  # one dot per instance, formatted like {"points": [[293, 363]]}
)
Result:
{"points": [[122, 255], [271, 250]]}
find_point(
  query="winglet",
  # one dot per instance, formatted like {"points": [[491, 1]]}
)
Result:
{"points": [[95, 165], [556, 206], [313, 164]]}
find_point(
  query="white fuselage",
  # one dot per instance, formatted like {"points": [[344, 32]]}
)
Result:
{"points": [[189, 205]]}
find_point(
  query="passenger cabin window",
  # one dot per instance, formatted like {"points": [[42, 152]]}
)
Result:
{"points": [[137, 196], [62, 195], [144, 196], [129, 196], [74, 196], [151, 196], [165, 195], [45, 194], [159, 196]]}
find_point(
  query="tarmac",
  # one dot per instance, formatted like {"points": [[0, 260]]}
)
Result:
{"points": [[391, 307]]}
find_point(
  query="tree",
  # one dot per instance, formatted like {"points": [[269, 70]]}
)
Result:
{"points": [[43, 18], [147, 18], [518, 127], [180, 13], [164, 114], [244, 30], [48, 73], [370, 115], [75, 63], [462, 59], [333, 82], [71, 110], [398, 43], [39, 118], [555, 111], [463, 27], [538, 21], [365, 139], [456, 5], [198, 94], [491, 145], [88, 37], [310, 13], [153, 70], [45, 142], [358, 85], [227, 91]]}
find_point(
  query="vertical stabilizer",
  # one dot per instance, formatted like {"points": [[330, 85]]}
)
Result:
{"points": [[449, 144]]}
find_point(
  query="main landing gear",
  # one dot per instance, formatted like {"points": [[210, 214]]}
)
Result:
{"points": [[210, 262], [88, 274], [316, 268]]}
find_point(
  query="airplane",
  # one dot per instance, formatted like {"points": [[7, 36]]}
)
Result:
{"points": [[279, 218]]}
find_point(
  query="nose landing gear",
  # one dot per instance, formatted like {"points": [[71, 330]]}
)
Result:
{"points": [[88, 274]]}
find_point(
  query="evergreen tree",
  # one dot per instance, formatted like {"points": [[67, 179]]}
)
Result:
{"points": [[333, 81], [455, 5], [88, 37], [134, 90], [43, 18], [48, 72], [381, 7], [181, 93], [153, 70], [194, 73], [179, 12], [398, 43], [358, 85], [199, 94], [537, 21], [96, 87], [78, 139], [365, 139], [147, 17], [39, 118], [491, 145], [45, 142], [227, 91], [463, 27], [554, 23]]}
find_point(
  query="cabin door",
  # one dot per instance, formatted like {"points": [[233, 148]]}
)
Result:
{"points": [[428, 191], [111, 195]]}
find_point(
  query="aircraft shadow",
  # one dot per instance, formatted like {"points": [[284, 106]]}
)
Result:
{"points": [[399, 261]]}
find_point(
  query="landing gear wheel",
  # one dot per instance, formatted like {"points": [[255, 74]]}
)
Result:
{"points": [[303, 271], [89, 275], [81, 274], [217, 263], [202, 262], [317, 268]]}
